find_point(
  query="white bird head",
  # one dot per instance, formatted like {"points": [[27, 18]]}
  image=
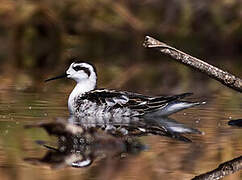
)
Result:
{"points": [[85, 76], [80, 72]]}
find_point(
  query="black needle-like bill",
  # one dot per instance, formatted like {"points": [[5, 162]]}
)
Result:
{"points": [[57, 77]]}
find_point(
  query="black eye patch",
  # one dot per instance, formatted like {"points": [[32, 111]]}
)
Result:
{"points": [[86, 70]]}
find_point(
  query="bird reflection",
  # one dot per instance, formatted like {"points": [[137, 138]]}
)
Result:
{"points": [[82, 141], [79, 147], [163, 126]]}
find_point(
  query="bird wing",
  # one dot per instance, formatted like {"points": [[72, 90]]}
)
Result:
{"points": [[134, 101]]}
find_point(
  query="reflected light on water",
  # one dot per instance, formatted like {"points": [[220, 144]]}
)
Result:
{"points": [[164, 156]]}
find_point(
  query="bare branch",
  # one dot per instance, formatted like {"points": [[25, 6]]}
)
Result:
{"points": [[224, 77], [223, 169]]}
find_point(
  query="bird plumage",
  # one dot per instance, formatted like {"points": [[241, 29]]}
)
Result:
{"points": [[86, 99], [135, 104]]}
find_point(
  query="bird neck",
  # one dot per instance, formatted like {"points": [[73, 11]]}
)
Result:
{"points": [[81, 87]]}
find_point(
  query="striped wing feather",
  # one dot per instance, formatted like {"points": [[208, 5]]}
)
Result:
{"points": [[135, 101]]}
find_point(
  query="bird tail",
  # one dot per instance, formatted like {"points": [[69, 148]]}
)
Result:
{"points": [[175, 106]]}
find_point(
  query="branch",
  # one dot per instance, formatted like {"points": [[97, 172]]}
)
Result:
{"points": [[224, 77], [223, 169]]}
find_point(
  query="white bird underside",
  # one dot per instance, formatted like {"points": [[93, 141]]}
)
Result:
{"points": [[115, 104]]}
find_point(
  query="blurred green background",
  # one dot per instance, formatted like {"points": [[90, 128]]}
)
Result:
{"points": [[39, 39]]}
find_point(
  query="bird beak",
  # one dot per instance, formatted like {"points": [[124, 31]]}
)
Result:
{"points": [[57, 77]]}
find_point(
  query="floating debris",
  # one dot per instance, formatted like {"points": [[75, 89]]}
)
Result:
{"points": [[237, 122]]}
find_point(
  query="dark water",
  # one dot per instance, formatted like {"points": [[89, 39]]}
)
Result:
{"points": [[160, 157]]}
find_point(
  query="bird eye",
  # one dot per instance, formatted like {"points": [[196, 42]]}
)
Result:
{"points": [[77, 68], [86, 70]]}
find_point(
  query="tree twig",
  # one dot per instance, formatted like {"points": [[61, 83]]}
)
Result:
{"points": [[223, 169], [224, 77]]}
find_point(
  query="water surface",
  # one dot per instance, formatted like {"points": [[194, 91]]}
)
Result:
{"points": [[164, 157]]}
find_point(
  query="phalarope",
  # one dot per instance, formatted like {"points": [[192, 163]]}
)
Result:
{"points": [[87, 100]]}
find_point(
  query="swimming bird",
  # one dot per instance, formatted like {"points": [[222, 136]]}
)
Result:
{"points": [[87, 100]]}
